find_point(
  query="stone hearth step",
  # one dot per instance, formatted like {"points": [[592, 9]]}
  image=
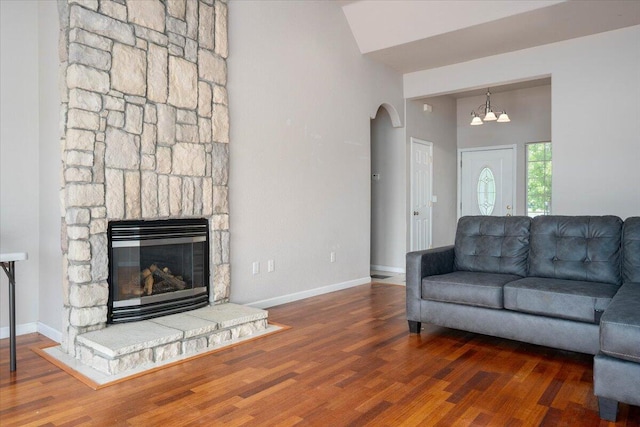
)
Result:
{"points": [[119, 348]]}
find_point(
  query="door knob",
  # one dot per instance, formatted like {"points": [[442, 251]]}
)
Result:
{"points": [[416, 213]]}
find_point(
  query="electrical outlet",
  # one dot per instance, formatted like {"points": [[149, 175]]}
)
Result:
{"points": [[271, 266], [256, 267], [332, 257]]}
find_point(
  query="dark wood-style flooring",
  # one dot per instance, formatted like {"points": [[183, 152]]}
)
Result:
{"points": [[348, 359]]}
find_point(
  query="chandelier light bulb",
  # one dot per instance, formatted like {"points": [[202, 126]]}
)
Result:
{"points": [[503, 118], [490, 116]]}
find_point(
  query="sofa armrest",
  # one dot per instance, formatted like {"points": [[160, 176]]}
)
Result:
{"points": [[422, 264]]}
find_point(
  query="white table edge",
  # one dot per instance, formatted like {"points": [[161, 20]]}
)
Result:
{"points": [[14, 256]]}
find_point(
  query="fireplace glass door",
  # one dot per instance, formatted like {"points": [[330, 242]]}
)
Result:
{"points": [[157, 268]]}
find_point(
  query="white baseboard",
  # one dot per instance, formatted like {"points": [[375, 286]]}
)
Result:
{"points": [[30, 328], [49, 332], [387, 268], [25, 328], [271, 302]]}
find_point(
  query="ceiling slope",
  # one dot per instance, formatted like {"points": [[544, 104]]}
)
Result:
{"points": [[417, 35]]}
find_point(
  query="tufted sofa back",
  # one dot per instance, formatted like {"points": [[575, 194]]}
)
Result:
{"points": [[631, 250], [576, 248], [492, 244]]}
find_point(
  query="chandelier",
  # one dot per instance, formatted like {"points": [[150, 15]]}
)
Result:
{"points": [[488, 113]]}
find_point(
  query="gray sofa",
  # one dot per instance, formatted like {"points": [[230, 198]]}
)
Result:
{"points": [[568, 282]]}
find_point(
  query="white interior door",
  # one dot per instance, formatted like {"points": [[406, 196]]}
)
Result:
{"points": [[421, 194], [487, 181]]}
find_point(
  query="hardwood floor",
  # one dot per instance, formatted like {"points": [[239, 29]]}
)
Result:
{"points": [[348, 359]]}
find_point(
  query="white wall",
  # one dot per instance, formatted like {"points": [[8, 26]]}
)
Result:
{"points": [[595, 113], [530, 113], [50, 267], [19, 157], [30, 163], [388, 204], [439, 128], [301, 99]]}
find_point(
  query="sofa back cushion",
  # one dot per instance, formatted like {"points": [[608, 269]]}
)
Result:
{"points": [[492, 244], [576, 248], [631, 249]]}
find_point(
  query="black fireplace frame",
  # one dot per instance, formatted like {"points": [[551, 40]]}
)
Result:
{"points": [[157, 229]]}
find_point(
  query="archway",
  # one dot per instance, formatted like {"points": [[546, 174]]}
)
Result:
{"points": [[388, 194]]}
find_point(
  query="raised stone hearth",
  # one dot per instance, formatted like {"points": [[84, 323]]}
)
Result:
{"points": [[120, 348]]}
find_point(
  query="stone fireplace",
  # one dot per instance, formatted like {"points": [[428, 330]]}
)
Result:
{"points": [[145, 133]]}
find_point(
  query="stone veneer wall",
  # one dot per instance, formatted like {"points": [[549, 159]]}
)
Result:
{"points": [[145, 132]]}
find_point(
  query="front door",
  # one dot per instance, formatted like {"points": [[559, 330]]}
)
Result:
{"points": [[487, 181]]}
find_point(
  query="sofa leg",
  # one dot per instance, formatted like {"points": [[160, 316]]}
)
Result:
{"points": [[608, 408], [414, 327]]}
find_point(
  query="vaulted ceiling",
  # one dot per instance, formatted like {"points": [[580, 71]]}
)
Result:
{"points": [[412, 35]]}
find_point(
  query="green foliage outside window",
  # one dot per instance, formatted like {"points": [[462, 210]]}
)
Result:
{"points": [[538, 178]]}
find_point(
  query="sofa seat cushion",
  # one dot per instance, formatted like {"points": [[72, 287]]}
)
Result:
{"points": [[566, 299], [620, 324], [466, 287]]}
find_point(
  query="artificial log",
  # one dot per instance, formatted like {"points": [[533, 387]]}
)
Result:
{"points": [[152, 280], [148, 284], [147, 280], [163, 287], [166, 276]]}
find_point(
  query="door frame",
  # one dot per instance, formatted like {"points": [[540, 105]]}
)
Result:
{"points": [[513, 147], [410, 210]]}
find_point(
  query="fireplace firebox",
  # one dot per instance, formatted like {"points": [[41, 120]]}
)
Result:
{"points": [[157, 268]]}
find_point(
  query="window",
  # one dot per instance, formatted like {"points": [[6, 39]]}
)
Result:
{"points": [[538, 178], [486, 192]]}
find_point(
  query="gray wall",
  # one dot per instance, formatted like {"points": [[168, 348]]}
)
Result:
{"points": [[439, 128], [301, 99], [30, 164], [50, 268], [530, 113], [388, 204]]}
